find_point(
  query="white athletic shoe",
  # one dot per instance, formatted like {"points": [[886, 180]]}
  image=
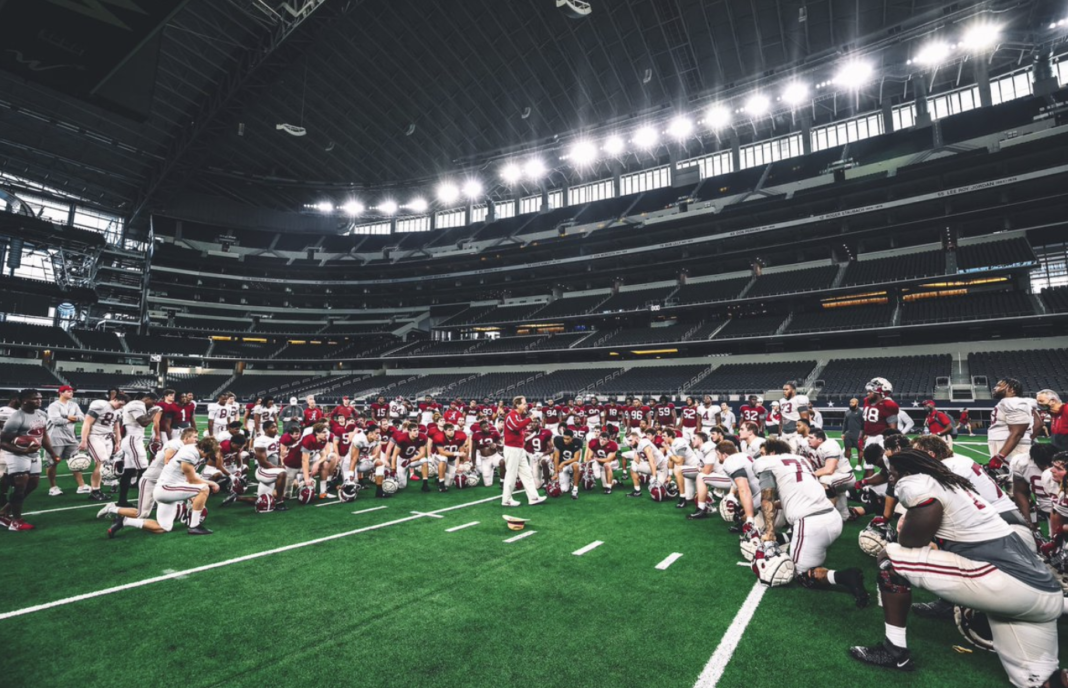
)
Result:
{"points": [[84, 489], [108, 510], [539, 500], [511, 502], [54, 491]]}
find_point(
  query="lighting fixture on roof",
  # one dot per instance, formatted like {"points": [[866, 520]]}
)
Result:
{"points": [[932, 54], [854, 74], [980, 36], [757, 105], [680, 127], [472, 188], [614, 145], [534, 169], [511, 173], [352, 208], [795, 93], [387, 207], [324, 207], [447, 192], [583, 153], [417, 205], [718, 117], [645, 137]]}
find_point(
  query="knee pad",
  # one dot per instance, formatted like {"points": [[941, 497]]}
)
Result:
{"points": [[890, 581]]}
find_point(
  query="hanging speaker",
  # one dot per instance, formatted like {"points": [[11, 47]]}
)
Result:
{"points": [[14, 256]]}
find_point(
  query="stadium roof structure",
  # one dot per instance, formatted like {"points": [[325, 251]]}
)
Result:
{"points": [[399, 93]]}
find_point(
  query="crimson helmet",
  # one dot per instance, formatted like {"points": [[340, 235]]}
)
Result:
{"points": [[264, 503], [552, 488], [658, 492], [306, 495]]}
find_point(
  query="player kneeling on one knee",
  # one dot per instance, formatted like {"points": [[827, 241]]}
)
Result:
{"points": [[980, 564]]}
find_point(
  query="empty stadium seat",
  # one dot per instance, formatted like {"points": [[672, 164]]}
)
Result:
{"points": [[794, 281], [895, 268], [1036, 368], [752, 378], [992, 253], [983, 306], [913, 377], [651, 380]]}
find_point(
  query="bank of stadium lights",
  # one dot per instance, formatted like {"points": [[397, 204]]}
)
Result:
{"points": [[614, 145], [387, 207], [980, 36], [852, 75], [932, 54], [680, 128], [717, 117], [534, 169], [448, 192], [795, 93], [511, 173], [645, 137], [352, 208], [472, 189], [582, 153], [757, 105], [322, 206], [417, 205]]}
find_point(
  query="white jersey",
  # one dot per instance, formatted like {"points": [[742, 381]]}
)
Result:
{"points": [[5, 413], [644, 443], [741, 466], [830, 449], [707, 455], [981, 482], [156, 467], [234, 411], [172, 473], [1025, 469], [270, 445], [800, 492], [105, 418], [363, 446], [791, 409], [1010, 411], [681, 448], [130, 413], [752, 447], [397, 409], [220, 415], [966, 517], [727, 419], [708, 416], [817, 418], [267, 413], [904, 421], [1058, 497]]}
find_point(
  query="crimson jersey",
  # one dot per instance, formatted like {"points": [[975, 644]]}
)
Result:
{"points": [[579, 431], [689, 416], [307, 444], [344, 435], [379, 412], [485, 439], [551, 414], [752, 413], [453, 444], [592, 411], [341, 414], [578, 415], [602, 449], [408, 448], [230, 453], [539, 442], [658, 441], [454, 416], [487, 411], [313, 416], [612, 413], [876, 415], [635, 415], [170, 410], [664, 413]]}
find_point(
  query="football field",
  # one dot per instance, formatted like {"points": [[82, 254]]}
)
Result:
{"points": [[433, 590]]}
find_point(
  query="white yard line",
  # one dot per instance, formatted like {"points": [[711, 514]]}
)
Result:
{"points": [[98, 505], [592, 546], [420, 513], [713, 671], [374, 508], [336, 501], [220, 564], [521, 536], [672, 558], [456, 528]]}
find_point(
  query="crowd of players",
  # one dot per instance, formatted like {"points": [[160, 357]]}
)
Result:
{"points": [[972, 534]]}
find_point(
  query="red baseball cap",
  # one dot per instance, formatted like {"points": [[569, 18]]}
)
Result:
{"points": [[66, 388], [929, 402], [344, 398]]}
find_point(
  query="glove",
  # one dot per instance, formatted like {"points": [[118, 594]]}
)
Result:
{"points": [[859, 485], [749, 531], [1047, 548], [996, 463]]}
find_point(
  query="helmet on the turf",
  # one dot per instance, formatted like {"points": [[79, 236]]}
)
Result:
{"points": [[672, 490], [552, 488], [107, 471], [772, 566], [264, 503], [79, 462], [306, 495], [749, 548], [872, 540], [643, 479], [238, 486], [588, 481], [879, 385], [974, 626], [390, 486], [728, 507], [347, 491], [657, 491]]}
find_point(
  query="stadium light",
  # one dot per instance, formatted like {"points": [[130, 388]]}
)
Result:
{"points": [[614, 145], [472, 188], [853, 75], [757, 105], [352, 208], [718, 117], [447, 192], [534, 169], [387, 207], [795, 93], [324, 207], [646, 137], [511, 173], [981, 36], [680, 127], [583, 153], [932, 54], [417, 205]]}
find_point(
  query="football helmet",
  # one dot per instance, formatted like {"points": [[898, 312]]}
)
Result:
{"points": [[181, 512], [460, 481], [974, 626], [749, 548], [879, 385], [657, 491], [154, 446], [672, 490], [264, 503], [720, 492], [772, 566], [872, 540], [306, 495], [107, 471], [347, 492], [552, 488], [728, 507], [79, 462], [643, 479], [238, 486], [390, 486], [588, 482], [472, 479]]}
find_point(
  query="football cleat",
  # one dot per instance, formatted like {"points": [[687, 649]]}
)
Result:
{"points": [[280, 506], [634, 493], [17, 524], [974, 626], [681, 504], [97, 496], [936, 609], [885, 655], [229, 499], [108, 510], [574, 492], [199, 530], [115, 527], [699, 514]]}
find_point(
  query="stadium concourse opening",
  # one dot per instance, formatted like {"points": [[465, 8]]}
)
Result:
{"points": [[503, 347]]}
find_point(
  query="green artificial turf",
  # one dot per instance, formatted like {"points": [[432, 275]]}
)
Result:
{"points": [[410, 604]]}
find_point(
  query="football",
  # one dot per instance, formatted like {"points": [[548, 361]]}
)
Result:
{"points": [[28, 442]]}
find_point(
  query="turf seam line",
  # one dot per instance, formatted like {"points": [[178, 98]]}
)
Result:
{"points": [[218, 564], [671, 559], [593, 545], [717, 663], [521, 536], [466, 525]]}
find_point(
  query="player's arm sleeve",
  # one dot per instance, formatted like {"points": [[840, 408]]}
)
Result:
{"points": [[93, 413]]}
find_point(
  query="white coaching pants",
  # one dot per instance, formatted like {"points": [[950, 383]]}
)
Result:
{"points": [[515, 463], [1023, 620]]}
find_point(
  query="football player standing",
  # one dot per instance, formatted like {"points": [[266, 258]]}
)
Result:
{"points": [[23, 462], [792, 407], [753, 412], [880, 412], [1010, 423], [136, 416], [63, 413], [102, 436]]}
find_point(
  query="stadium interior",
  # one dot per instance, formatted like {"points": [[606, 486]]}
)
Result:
{"points": [[549, 199]]}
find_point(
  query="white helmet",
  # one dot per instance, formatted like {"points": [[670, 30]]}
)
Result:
{"points": [[79, 462], [871, 541], [772, 566], [879, 385], [774, 404], [728, 507], [390, 486]]}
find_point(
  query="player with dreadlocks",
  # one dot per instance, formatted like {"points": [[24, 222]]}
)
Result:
{"points": [[979, 564]]}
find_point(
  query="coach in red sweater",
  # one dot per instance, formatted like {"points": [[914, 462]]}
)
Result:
{"points": [[515, 456]]}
